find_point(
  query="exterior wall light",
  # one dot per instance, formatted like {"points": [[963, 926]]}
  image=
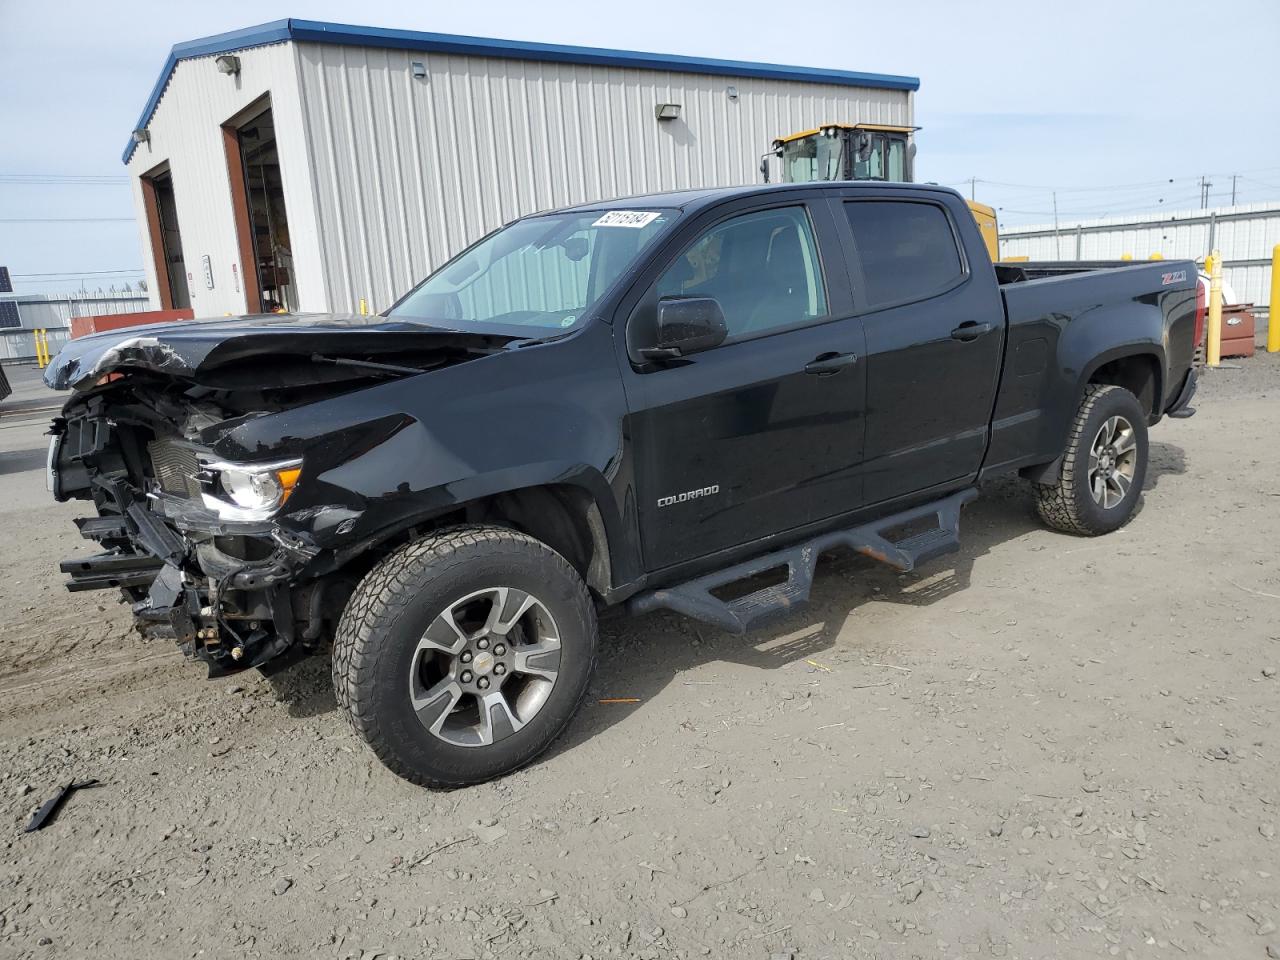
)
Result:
{"points": [[667, 111], [141, 135], [229, 64]]}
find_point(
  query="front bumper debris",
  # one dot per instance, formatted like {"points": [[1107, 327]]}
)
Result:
{"points": [[230, 612], [103, 571]]}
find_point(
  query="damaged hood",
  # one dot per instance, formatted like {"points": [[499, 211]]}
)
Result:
{"points": [[202, 350]]}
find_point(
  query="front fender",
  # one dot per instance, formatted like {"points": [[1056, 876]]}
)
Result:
{"points": [[388, 457]]}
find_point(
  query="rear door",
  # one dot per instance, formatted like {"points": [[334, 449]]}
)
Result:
{"points": [[740, 442], [934, 325]]}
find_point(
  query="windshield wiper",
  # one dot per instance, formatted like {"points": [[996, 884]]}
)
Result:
{"points": [[386, 369], [534, 341]]}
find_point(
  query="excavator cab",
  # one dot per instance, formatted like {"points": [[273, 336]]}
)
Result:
{"points": [[861, 151]]}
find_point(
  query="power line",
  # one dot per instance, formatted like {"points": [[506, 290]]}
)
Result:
{"points": [[60, 178], [74, 273], [66, 219], [1100, 188]]}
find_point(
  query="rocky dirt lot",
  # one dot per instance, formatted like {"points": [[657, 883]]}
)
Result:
{"points": [[1042, 747]]}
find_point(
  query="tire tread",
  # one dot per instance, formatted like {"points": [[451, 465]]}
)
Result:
{"points": [[383, 596], [1059, 504]]}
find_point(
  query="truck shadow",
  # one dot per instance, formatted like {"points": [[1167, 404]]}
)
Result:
{"points": [[1164, 459], [20, 461], [641, 657]]}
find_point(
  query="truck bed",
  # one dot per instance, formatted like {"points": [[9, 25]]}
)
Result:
{"points": [[1063, 319]]}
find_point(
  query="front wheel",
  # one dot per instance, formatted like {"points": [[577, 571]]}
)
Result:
{"points": [[1103, 467], [462, 656]]}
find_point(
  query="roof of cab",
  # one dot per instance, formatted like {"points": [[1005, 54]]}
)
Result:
{"points": [[690, 200]]}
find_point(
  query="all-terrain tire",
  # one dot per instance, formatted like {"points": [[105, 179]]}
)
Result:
{"points": [[375, 643], [1068, 505]]}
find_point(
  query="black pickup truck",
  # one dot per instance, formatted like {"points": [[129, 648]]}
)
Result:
{"points": [[640, 401]]}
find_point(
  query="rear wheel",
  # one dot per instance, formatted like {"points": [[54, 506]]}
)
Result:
{"points": [[463, 655], [1103, 467]]}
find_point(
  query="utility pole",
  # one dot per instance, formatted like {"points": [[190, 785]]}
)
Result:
{"points": [[1057, 238], [1234, 177], [1204, 192], [973, 186]]}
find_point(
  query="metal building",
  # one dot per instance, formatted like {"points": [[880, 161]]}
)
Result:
{"points": [[311, 166], [1244, 235], [21, 314]]}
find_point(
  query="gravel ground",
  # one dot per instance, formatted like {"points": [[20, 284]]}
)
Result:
{"points": [[1042, 747]]}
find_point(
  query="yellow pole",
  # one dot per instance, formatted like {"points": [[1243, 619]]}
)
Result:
{"points": [[1126, 256], [364, 307], [1273, 318], [1213, 345], [1156, 256], [35, 336], [44, 347]]}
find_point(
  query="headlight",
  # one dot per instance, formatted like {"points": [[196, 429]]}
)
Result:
{"points": [[249, 491]]}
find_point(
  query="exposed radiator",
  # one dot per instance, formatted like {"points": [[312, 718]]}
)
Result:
{"points": [[175, 467]]}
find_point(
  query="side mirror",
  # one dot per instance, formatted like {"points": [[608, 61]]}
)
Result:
{"points": [[687, 325]]}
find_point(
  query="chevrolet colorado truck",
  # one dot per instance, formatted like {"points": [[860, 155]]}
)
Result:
{"points": [[650, 402]]}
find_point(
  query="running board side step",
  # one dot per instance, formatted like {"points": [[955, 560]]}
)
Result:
{"points": [[695, 599]]}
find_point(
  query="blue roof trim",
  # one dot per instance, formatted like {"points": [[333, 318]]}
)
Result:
{"points": [[317, 32], [275, 32]]}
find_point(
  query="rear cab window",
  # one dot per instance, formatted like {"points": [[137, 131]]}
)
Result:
{"points": [[908, 250]]}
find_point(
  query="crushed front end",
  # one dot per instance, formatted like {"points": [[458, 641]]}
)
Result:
{"points": [[248, 472], [192, 540]]}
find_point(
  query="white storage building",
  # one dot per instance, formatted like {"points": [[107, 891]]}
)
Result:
{"points": [[311, 166]]}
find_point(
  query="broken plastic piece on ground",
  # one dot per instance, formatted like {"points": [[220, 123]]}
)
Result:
{"points": [[619, 700], [49, 809]]}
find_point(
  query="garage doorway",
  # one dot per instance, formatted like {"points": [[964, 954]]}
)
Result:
{"points": [[166, 240], [257, 190]]}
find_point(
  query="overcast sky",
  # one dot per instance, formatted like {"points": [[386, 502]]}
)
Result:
{"points": [[1104, 103]]}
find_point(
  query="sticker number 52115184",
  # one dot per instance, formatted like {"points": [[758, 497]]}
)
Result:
{"points": [[627, 218]]}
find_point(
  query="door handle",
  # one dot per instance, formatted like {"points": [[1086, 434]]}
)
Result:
{"points": [[970, 331], [827, 363]]}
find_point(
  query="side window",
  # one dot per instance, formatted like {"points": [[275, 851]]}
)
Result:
{"points": [[762, 267], [908, 250]]}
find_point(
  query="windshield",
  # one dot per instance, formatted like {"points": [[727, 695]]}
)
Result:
{"points": [[543, 272], [811, 159], [882, 158]]}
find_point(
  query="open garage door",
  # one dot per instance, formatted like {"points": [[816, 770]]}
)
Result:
{"points": [[261, 222], [166, 240]]}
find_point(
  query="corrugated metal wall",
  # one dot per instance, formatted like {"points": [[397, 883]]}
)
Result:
{"points": [[186, 132], [409, 171], [1245, 236]]}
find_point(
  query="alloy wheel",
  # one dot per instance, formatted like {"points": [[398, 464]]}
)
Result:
{"points": [[485, 666], [1113, 459]]}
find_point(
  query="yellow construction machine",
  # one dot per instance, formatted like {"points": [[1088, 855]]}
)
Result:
{"points": [[860, 151]]}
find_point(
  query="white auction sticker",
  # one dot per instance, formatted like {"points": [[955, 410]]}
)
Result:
{"points": [[627, 218]]}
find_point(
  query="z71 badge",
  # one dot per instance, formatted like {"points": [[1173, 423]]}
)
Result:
{"points": [[1176, 277], [688, 495]]}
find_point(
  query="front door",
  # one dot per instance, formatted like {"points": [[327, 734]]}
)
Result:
{"points": [[742, 441], [934, 338]]}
